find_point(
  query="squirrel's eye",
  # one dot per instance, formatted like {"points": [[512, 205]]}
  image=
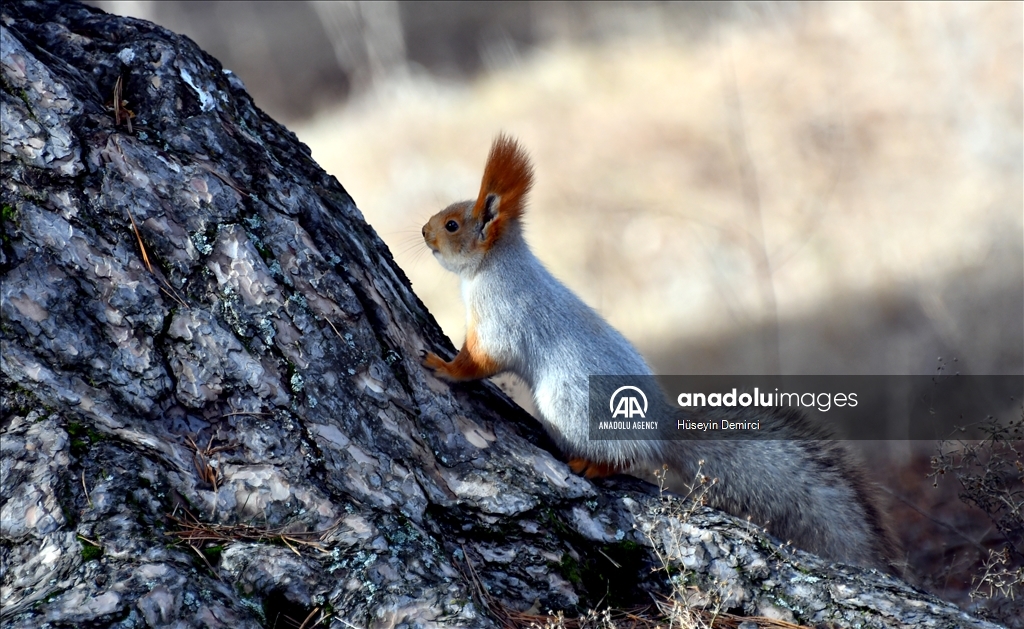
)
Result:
{"points": [[451, 226]]}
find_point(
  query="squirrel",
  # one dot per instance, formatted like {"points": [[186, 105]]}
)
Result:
{"points": [[801, 487]]}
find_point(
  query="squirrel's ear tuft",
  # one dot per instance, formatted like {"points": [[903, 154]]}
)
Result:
{"points": [[508, 176]]}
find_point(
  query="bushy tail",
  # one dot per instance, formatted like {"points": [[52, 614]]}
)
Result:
{"points": [[802, 487]]}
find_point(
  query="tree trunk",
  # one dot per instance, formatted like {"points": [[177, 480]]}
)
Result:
{"points": [[213, 409]]}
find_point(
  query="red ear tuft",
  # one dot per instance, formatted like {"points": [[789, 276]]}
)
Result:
{"points": [[509, 176]]}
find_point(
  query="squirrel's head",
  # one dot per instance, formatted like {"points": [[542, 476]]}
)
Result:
{"points": [[463, 233], [454, 237]]}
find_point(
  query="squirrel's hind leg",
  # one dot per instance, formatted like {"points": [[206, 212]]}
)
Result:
{"points": [[592, 469]]}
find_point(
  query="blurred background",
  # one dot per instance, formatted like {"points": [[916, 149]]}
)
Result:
{"points": [[738, 187]]}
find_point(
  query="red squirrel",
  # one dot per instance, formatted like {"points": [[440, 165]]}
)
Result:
{"points": [[803, 488]]}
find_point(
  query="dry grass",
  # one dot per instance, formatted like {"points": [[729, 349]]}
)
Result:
{"points": [[686, 608], [990, 473], [661, 618], [201, 535]]}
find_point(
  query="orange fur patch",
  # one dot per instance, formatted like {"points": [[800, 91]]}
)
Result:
{"points": [[486, 365], [509, 175], [471, 363], [590, 469]]}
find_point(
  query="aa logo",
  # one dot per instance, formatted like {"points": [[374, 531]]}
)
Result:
{"points": [[627, 405]]}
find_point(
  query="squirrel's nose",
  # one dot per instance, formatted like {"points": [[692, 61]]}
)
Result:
{"points": [[424, 231]]}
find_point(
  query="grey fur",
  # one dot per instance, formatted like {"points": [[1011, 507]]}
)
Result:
{"points": [[802, 487]]}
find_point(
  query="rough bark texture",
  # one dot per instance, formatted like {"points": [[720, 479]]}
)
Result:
{"points": [[260, 385]]}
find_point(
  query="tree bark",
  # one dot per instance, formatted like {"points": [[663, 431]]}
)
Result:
{"points": [[213, 409]]}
